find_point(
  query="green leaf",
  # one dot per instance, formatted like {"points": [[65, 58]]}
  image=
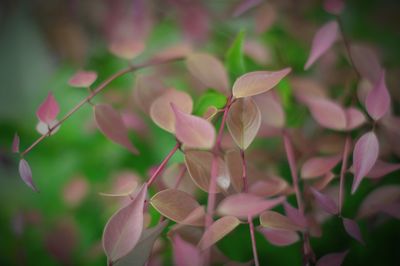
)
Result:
{"points": [[285, 91], [209, 98], [234, 59]]}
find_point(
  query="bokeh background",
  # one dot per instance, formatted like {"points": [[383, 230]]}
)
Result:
{"points": [[43, 42]]}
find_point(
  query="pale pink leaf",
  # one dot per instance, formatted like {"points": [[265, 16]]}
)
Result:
{"points": [[217, 230], [242, 205], [185, 254], [378, 99], [257, 82], [83, 79], [365, 154], [244, 121], [209, 70], [354, 117], [123, 230], [295, 215], [332, 259], [275, 220], [161, 112], [26, 174], [326, 202], [318, 166], [234, 165], [272, 113], [378, 199], [279, 238], [352, 229], [15, 144], [43, 128], [327, 113], [48, 110], [323, 40], [193, 131], [268, 187], [127, 48], [366, 61], [382, 168], [112, 126]]}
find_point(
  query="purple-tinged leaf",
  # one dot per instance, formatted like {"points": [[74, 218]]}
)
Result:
{"points": [[275, 220], [268, 187], [321, 183], [242, 205], [193, 131], [392, 209], [25, 173], [142, 251], [325, 202], [334, 7], [378, 199], [318, 166], [48, 110], [332, 259], [323, 40], [112, 126], [185, 254], [209, 70], [244, 121], [378, 99], [365, 155], [366, 62], [257, 82], [15, 144], [123, 230], [278, 237], [354, 117], [327, 113], [353, 230], [295, 215], [218, 230], [83, 79], [382, 168]]}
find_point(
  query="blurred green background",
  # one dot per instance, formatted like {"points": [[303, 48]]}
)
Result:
{"points": [[42, 43]]}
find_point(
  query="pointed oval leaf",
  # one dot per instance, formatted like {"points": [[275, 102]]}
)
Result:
{"points": [[327, 113], [353, 230], [242, 205], [366, 61], [209, 70], [278, 237], [147, 88], [332, 259], [323, 40], [217, 230], [378, 99], [161, 112], [185, 254], [325, 202], [193, 131], [295, 215], [382, 168], [112, 126], [176, 205], [268, 187], [257, 82], [123, 230], [25, 173], [365, 155], [318, 166], [15, 144], [272, 113], [127, 48], [48, 110], [275, 220], [354, 117], [83, 79], [244, 121], [378, 199]]}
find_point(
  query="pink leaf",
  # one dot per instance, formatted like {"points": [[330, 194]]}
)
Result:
{"points": [[382, 168], [279, 237], [123, 230], [127, 48], [242, 205], [378, 199], [15, 144], [366, 61], [325, 202], [327, 113], [354, 117], [217, 230], [193, 131], [365, 155], [392, 209], [272, 113], [83, 79], [48, 110], [332, 259], [275, 220], [353, 230], [112, 126], [257, 82], [319, 166], [295, 215], [185, 254], [323, 40], [378, 99], [26, 174]]}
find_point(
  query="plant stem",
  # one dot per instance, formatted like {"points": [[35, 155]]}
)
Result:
{"points": [[96, 91], [163, 163], [180, 177], [343, 170], [218, 142]]}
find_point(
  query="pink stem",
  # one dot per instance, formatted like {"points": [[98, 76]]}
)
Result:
{"points": [[343, 172]]}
